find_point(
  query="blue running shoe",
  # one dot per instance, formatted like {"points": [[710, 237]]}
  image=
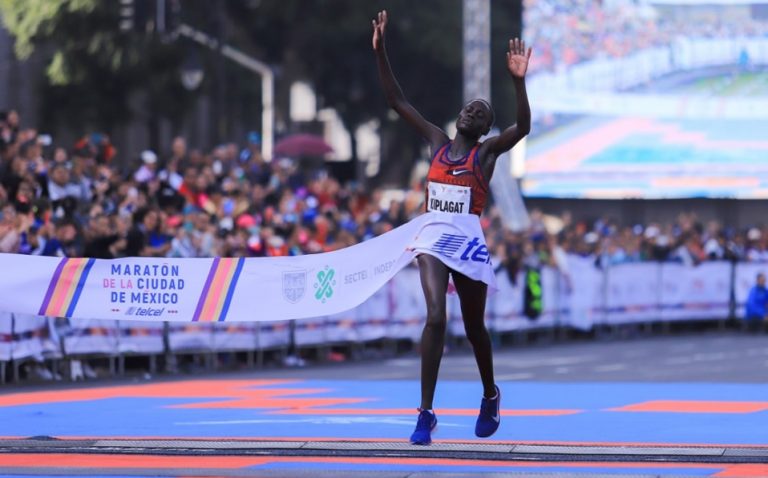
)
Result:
{"points": [[427, 422], [490, 416]]}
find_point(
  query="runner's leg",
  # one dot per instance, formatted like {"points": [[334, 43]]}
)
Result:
{"points": [[434, 282], [472, 296]]}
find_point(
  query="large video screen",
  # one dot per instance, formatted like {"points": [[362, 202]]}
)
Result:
{"points": [[654, 100]]}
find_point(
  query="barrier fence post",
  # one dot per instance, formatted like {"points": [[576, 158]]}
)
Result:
{"points": [[152, 364], [604, 329], [558, 332], [259, 348], [731, 299], [666, 327], [659, 291]]}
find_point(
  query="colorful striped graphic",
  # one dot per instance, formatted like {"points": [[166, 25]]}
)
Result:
{"points": [[65, 287], [219, 287]]}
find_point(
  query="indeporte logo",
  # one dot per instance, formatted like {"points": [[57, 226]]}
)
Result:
{"points": [[325, 284]]}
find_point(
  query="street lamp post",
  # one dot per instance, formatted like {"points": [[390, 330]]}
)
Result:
{"points": [[254, 65], [192, 73]]}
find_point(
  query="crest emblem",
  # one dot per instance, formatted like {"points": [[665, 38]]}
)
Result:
{"points": [[294, 285]]}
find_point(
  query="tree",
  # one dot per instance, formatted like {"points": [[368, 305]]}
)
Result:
{"points": [[95, 68], [328, 43]]}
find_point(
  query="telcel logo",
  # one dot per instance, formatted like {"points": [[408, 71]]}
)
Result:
{"points": [[480, 253], [145, 311], [451, 244]]}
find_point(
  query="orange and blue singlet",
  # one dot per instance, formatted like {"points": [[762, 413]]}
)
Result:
{"points": [[456, 186]]}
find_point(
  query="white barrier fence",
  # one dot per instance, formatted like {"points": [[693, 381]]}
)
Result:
{"points": [[585, 298]]}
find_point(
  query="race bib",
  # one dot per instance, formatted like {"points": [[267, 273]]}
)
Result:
{"points": [[448, 198]]}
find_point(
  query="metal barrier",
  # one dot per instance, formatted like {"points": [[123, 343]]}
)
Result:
{"points": [[583, 297]]}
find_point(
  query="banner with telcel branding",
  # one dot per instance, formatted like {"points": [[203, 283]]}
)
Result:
{"points": [[238, 289]]}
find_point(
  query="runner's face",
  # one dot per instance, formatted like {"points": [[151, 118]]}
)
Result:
{"points": [[474, 119]]}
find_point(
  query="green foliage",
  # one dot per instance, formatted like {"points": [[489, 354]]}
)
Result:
{"points": [[30, 19], [329, 43], [94, 67]]}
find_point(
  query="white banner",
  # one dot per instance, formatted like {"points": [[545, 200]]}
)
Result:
{"points": [[455, 324], [91, 336], [633, 293], [701, 292], [623, 294], [234, 337], [33, 338], [409, 311], [6, 336], [232, 289], [586, 293], [26, 337], [341, 327], [140, 337], [310, 331], [550, 298], [372, 316], [505, 309], [272, 335], [190, 338]]}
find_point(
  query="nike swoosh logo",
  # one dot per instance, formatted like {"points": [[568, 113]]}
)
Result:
{"points": [[459, 172], [496, 417]]}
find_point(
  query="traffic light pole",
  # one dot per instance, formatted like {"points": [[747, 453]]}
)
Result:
{"points": [[254, 65]]}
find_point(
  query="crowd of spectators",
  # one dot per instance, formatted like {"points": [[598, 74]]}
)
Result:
{"points": [[83, 201], [87, 201], [687, 240], [564, 33]]}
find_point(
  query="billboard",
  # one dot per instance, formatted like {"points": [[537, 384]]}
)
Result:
{"points": [[647, 100]]}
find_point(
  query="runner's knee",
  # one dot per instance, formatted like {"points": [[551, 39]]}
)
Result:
{"points": [[436, 318], [475, 331]]}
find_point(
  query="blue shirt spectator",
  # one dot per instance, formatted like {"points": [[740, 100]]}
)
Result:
{"points": [[757, 300]]}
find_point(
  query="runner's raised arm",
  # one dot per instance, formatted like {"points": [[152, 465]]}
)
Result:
{"points": [[394, 94]]}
